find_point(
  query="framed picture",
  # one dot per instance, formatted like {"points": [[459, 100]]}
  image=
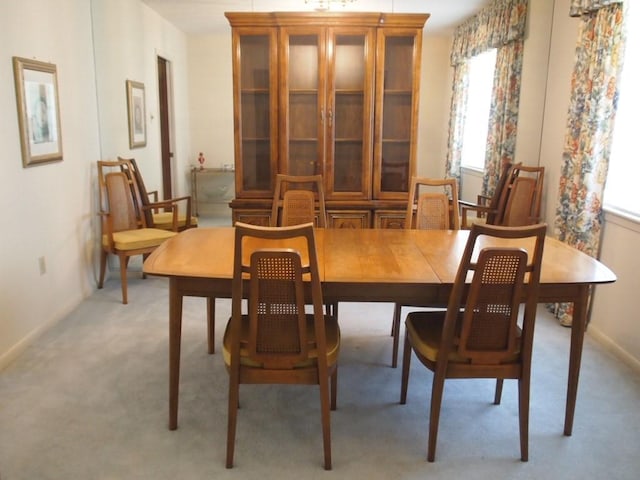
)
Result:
{"points": [[38, 111], [137, 115]]}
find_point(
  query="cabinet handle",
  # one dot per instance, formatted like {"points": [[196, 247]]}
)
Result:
{"points": [[322, 116], [330, 117]]}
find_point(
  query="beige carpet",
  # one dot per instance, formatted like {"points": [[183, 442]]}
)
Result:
{"points": [[89, 401]]}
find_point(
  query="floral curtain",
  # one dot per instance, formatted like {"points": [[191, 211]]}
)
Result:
{"points": [[501, 25], [456, 119], [582, 7], [585, 159], [503, 117]]}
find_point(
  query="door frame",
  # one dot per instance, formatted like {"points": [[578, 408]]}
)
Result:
{"points": [[165, 112]]}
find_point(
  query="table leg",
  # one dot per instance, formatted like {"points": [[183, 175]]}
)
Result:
{"points": [[211, 323], [175, 332], [578, 328]]}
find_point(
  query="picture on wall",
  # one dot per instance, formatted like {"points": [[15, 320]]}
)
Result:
{"points": [[38, 111], [137, 115]]}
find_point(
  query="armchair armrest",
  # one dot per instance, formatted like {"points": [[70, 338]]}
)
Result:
{"points": [[167, 205], [153, 194], [187, 200], [481, 211]]}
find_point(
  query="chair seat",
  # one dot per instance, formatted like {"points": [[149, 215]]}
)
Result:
{"points": [[164, 220], [139, 238], [425, 333], [332, 332]]}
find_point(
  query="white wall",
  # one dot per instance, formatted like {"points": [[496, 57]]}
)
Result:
{"points": [[128, 38], [47, 208], [435, 100], [211, 98], [50, 210]]}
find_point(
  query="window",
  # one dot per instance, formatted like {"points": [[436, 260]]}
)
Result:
{"points": [[621, 191], [476, 124]]}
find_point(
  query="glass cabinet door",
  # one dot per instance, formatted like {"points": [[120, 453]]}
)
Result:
{"points": [[255, 84], [349, 113], [397, 90], [302, 102]]}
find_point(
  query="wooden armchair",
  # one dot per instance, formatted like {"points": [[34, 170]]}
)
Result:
{"points": [[516, 202], [432, 205], [478, 336], [276, 342], [490, 209], [159, 213], [123, 233]]}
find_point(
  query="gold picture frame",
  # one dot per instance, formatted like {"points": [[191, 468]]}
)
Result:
{"points": [[38, 111], [137, 114]]}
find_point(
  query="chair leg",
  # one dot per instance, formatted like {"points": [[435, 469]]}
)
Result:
{"points": [[326, 419], [211, 323], [103, 267], [523, 399], [124, 261], [395, 333], [434, 416], [406, 363], [393, 322], [498, 395], [144, 257], [232, 420]]}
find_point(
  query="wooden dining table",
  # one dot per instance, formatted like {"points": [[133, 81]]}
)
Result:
{"points": [[411, 267]]}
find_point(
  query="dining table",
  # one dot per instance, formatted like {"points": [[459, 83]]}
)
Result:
{"points": [[410, 267]]}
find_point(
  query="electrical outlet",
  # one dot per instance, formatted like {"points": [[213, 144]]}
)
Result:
{"points": [[43, 265]]}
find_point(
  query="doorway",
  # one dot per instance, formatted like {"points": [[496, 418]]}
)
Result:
{"points": [[166, 153]]}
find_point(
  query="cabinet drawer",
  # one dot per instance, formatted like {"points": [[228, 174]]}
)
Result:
{"points": [[349, 219], [389, 219], [253, 217]]}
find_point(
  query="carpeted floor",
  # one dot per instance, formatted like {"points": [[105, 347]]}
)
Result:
{"points": [[88, 400]]}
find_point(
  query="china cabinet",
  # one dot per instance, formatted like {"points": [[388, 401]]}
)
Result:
{"points": [[334, 94]]}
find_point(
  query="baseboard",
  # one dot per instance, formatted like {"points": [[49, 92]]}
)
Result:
{"points": [[611, 346], [16, 350]]}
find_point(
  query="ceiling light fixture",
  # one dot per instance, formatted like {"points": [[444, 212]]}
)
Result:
{"points": [[324, 5]]}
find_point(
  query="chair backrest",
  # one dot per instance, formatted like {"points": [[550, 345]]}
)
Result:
{"points": [[433, 204], [498, 201], [142, 189], [118, 196], [293, 206], [277, 262], [524, 197], [505, 264]]}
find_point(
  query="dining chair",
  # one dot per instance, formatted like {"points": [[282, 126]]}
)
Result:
{"points": [[294, 201], [524, 198], [159, 213], [295, 206], [276, 341], [432, 205], [479, 335], [124, 232]]}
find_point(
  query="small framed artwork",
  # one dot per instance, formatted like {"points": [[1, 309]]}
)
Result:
{"points": [[38, 111], [137, 115]]}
